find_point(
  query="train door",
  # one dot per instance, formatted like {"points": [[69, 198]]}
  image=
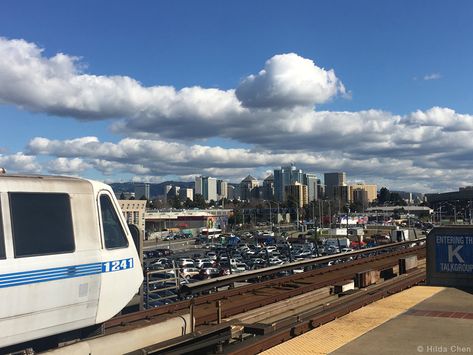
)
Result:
{"points": [[122, 275]]}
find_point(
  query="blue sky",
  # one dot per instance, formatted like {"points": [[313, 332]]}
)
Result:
{"points": [[403, 115]]}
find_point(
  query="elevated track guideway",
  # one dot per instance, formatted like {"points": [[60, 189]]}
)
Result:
{"points": [[211, 317]]}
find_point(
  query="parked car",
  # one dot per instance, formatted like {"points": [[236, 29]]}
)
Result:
{"points": [[211, 255], [239, 267], [189, 272], [207, 273], [186, 263], [207, 265], [199, 262], [275, 261]]}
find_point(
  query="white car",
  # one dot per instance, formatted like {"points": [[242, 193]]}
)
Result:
{"points": [[239, 267], [186, 263], [188, 272], [211, 255], [275, 261]]}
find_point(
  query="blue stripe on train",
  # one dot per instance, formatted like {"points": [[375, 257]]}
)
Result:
{"points": [[59, 273]]}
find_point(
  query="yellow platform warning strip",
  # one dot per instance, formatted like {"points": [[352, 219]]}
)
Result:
{"points": [[333, 335]]}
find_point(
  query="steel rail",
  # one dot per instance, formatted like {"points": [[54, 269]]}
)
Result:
{"points": [[217, 338], [242, 305], [311, 320]]}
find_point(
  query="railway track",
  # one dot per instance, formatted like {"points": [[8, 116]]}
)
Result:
{"points": [[237, 338], [208, 309], [258, 315], [288, 328]]}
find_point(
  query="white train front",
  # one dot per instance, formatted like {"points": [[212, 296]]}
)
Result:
{"points": [[67, 258]]}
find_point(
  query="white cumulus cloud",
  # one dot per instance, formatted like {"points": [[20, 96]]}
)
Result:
{"points": [[272, 112], [64, 166], [57, 86], [20, 163], [289, 80]]}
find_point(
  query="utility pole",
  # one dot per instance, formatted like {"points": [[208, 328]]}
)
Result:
{"points": [[313, 212], [348, 214], [277, 218], [330, 214], [270, 217]]}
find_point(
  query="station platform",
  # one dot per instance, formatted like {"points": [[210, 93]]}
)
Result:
{"points": [[419, 320]]}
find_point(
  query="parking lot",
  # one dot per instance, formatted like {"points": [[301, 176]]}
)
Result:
{"points": [[168, 265]]}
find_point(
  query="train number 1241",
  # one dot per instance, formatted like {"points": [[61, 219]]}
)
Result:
{"points": [[117, 265]]}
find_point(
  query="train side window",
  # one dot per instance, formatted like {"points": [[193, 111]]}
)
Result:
{"points": [[41, 223], [113, 232], [2, 240]]}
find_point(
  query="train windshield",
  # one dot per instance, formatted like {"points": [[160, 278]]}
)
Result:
{"points": [[113, 233]]}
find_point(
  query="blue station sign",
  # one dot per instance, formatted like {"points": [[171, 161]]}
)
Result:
{"points": [[454, 253]]}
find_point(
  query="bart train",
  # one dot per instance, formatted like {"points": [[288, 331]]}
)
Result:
{"points": [[67, 257]]}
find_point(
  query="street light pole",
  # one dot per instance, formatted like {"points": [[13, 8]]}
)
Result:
{"points": [[313, 212], [278, 219], [321, 212], [270, 217], [348, 214], [330, 213]]}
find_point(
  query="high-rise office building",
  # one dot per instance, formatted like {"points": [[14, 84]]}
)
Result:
{"points": [[249, 188], [360, 196], [332, 181], [171, 192], [268, 188], [287, 175], [185, 194], [297, 194], [142, 190], [313, 185], [341, 196], [167, 188], [231, 192], [320, 189], [207, 187], [222, 187], [371, 192]]}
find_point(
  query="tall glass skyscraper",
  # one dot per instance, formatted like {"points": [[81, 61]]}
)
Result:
{"points": [[332, 180], [287, 175], [207, 187]]}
